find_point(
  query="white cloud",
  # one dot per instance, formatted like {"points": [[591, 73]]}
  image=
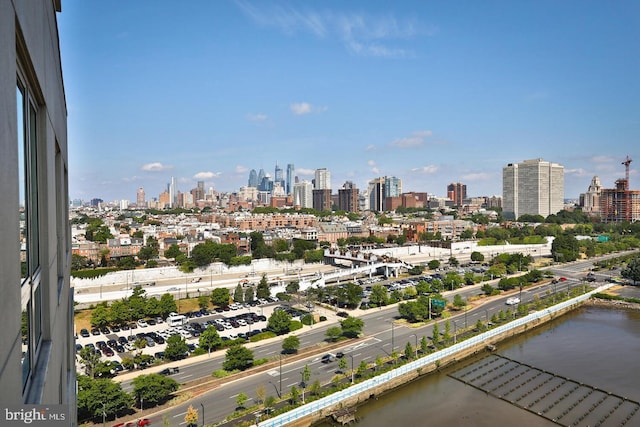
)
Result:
{"points": [[242, 169], [602, 159], [371, 162], [206, 175], [156, 167], [305, 172], [131, 179], [416, 139], [427, 170], [371, 147], [360, 33], [257, 117], [302, 108], [579, 172]]}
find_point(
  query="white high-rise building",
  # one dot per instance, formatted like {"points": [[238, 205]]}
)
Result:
{"points": [[322, 179], [303, 194], [173, 192], [534, 187]]}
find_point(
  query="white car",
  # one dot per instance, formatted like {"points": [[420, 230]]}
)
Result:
{"points": [[142, 323], [513, 301]]}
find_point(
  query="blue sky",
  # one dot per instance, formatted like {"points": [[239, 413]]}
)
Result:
{"points": [[432, 92]]}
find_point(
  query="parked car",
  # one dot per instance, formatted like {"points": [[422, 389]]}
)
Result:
{"points": [[142, 323], [84, 333], [342, 314]]}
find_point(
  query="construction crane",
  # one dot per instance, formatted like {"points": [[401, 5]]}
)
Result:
{"points": [[626, 164]]}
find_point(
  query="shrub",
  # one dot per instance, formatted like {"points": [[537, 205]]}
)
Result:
{"points": [[295, 325]]}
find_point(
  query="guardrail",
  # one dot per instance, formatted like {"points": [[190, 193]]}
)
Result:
{"points": [[334, 398]]}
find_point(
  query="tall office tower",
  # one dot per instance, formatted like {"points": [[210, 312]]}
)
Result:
{"points": [[322, 179], [303, 194], [278, 176], [37, 355], [141, 201], [290, 178], [457, 192], [534, 187], [253, 179], [266, 184], [376, 194], [348, 197], [261, 176], [199, 193], [392, 186], [173, 192]]}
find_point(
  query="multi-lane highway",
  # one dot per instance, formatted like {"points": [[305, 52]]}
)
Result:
{"points": [[381, 335]]}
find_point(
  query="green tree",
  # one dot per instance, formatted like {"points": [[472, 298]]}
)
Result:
{"points": [[446, 336], [632, 270], [333, 333], [173, 251], [436, 334], [145, 253], [280, 245], [295, 394], [96, 396], [100, 315], [176, 348], [220, 297], [249, 294], [279, 322], [352, 327], [269, 403], [379, 295], [241, 400], [291, 344], [119, 313], [342, 365], [167, 305], [433, 264], [210, 339], [477, 256], [153, 388], [453, 261], [238, 294], [90, 359], [424, 347], [459, 302], [565, 248], [263, 290], [237, 357], [203, 301], [408, 351]]}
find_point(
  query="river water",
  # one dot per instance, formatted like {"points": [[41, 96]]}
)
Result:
{"points": [[594, 345]]}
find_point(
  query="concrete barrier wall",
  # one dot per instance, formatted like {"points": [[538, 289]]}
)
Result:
{"points": [[306, 414]]}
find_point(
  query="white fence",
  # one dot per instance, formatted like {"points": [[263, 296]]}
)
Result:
{"points": [[370, 384]]}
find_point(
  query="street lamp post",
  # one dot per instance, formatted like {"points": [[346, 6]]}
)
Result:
{"points": [[455, 332], [416, 347], [202, 405], [352, 377], [280, 384], [392, 336]]}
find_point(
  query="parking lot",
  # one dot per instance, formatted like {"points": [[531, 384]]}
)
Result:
{"points": [[235, 321]]}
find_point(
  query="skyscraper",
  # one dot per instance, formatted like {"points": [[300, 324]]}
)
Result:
{"points": [[141, 201], [253, 179], [457, 192], [290, 178], [322, 179], [37, 354], [278, 176], [303, 194], [534, 187], [173, 192]]}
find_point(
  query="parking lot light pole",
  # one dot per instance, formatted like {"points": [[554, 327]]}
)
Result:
{"points": [[202, 405]]}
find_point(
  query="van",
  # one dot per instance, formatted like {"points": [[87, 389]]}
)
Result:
{"points": [[176, 320]]}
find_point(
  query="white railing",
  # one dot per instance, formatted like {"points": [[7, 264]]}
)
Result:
{"points": [[372, 383]]}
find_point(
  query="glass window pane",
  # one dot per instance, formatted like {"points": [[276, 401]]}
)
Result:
{"points": [[32, 209], [21, 181]]}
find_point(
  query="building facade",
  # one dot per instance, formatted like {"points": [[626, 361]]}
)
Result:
{"points": [[533, 187], [457, 192], [322, 179], [348, 197], [37, 355]]}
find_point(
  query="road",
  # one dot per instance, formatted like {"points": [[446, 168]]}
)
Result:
{"points": [[382, 336]]}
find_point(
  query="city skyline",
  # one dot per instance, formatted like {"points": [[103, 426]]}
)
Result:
{"points": [[429, 93]]}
